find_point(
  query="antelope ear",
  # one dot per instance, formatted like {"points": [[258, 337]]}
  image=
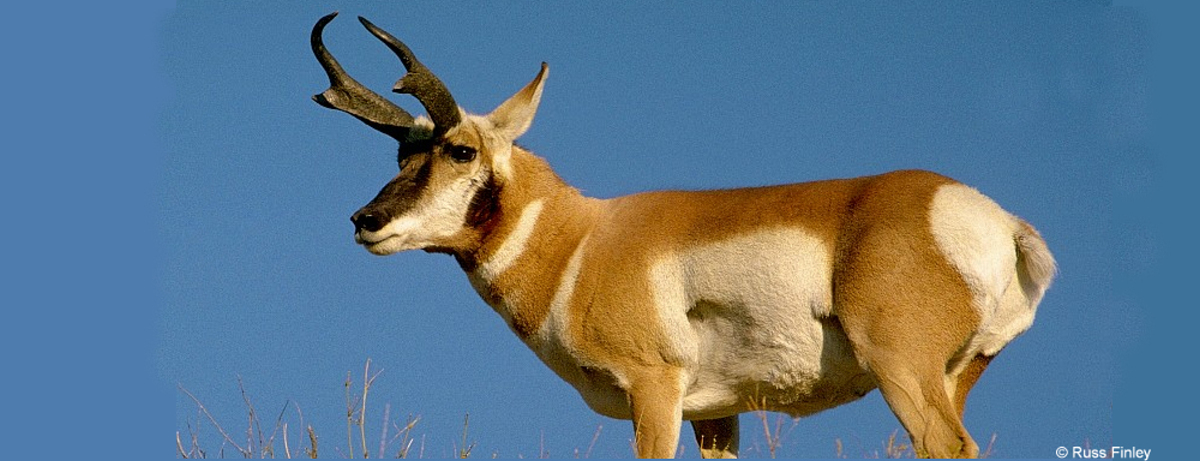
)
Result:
{"points": [[515, 115]]}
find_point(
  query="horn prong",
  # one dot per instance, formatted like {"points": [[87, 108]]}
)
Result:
{"points": [[420, 82], [347, 95]]}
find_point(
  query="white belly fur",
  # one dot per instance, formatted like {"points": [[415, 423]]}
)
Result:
{"points": [[751, 315]]}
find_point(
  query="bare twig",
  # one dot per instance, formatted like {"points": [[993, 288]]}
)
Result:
{"points": [[595, 437], [771, 442], [179, 446], [356, 410], [253, 426], [542, 454], [991, 443], [349, 417], [194, 450], [287, 451], [221, 430], [405, 436], [465, 451], [312, 440], [383, 435], [362, 412], [312, 435], [773, 437], [269, 448], [368, 380], [895, 449]]}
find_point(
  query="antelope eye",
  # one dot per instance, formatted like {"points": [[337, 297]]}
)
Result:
{"points": [[462, 154]]}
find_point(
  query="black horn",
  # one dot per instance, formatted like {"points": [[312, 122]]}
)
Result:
{"points": [[349, 96], [421, 83]]}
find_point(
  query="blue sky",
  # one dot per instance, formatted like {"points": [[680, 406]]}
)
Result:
{"points": [[206, 200]]}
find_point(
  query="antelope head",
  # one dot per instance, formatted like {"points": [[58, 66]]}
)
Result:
{"points": [[452, 164]]}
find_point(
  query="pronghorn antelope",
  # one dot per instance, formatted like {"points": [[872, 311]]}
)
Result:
{"points": [[667, 306]]}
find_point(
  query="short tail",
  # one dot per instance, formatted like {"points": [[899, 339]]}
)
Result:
{"points": [[1035, 265]]}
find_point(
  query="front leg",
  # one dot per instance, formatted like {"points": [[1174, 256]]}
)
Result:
{"points": [[718, 438], [656, 402]]}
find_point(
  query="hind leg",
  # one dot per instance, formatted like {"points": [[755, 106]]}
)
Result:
{"points": [[917, 395], [967, 379], [906, 339], [908, 311]]}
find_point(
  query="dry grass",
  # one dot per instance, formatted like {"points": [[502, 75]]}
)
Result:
{"points": [[898, 446], [399, 439], [773, 433], [894, 447], [395, 439], [256, 444]]}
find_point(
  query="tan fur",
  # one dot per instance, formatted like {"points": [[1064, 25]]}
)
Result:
{"points": [[664, 306], [876, 226], [528, 288], [967, 379]]}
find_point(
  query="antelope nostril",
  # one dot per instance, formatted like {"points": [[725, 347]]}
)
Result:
{"points": [[367, 221]]}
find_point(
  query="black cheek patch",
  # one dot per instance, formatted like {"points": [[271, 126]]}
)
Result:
{"points": [[484, 209]]}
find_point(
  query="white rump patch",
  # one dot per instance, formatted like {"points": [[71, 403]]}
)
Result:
{"points": [[977, 237]]}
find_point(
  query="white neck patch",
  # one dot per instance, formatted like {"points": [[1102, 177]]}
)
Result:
{"points": [[513, 245]]}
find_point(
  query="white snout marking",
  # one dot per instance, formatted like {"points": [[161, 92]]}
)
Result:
{"points": [[433, 219]]}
